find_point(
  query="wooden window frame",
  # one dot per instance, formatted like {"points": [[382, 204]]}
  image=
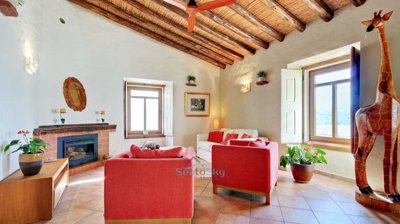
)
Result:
{"points": [[312, 86], [127, 104]]}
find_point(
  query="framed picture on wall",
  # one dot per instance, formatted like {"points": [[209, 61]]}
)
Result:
{"points": [[197, 104]]}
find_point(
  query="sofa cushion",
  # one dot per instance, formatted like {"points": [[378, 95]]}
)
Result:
{"points": [[206, 145], [252, 132], [257, 143], [137, 152], [216, 136], [245, 136], [229, 137]]}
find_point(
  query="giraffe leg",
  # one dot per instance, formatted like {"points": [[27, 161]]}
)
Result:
{"points": [[369, 144], [394, 169], [387, 167]]}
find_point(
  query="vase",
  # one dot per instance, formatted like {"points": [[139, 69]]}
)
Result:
{"points": [[262, 79], [302, 173], [30, 164]]}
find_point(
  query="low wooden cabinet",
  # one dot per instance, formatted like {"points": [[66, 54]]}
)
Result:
{"points": [[33, 199]]}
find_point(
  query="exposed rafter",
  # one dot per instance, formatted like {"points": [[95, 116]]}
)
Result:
{"points": [[291, 19], [257, 22], [145, 31], [221, 21], [358, 2], [321, 8], [200, 27], [185, 35]]}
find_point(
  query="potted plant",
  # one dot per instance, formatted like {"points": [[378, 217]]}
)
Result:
{"points": [[262, 76], [31, 158], [302, 159], [191, 79]]}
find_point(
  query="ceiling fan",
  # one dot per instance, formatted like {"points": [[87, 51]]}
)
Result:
{"points": [[191, 7]]}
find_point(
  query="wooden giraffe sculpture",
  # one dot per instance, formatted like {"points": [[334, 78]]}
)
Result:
{"points": [[380, 118]]}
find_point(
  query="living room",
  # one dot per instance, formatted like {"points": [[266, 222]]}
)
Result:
{"points": [[82, 67]]}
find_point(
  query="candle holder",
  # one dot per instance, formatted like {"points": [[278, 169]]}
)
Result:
{"points": [[62, 112], [102, 114]]}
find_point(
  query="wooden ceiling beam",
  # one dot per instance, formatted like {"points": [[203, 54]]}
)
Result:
{"points": [[146, 32], [257, 22], [193, 36], [321, 8], [244, 49], [200, 42], [358, 2], [285, 14], [226, 24]]}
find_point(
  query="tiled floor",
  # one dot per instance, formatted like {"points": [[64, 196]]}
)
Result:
{"points": [[324, 201]]}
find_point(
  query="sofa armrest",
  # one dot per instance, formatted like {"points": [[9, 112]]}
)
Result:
{"points": [[202, 137], [148, 188]]}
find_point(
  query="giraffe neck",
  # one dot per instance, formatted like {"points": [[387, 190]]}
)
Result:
{"points": [[385, 81]]}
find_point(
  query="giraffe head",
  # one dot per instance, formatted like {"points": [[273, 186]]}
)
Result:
{"points": [[377, 21]]}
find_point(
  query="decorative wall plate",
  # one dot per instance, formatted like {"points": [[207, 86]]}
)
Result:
{"points": [[74, 94]]}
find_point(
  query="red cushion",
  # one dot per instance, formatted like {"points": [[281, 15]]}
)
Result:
{"points": [[258, 143], [245, 136], [146, 153], [229, 137], [216, 136]]}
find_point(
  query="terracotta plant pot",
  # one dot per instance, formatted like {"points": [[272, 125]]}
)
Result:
{"points": [[262, 79], [302, 173], [30, 164]]}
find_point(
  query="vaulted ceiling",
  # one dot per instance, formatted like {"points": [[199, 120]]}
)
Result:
{"points": [[221, 36]]}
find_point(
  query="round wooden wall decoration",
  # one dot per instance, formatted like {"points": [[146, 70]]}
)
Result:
{"points": [[74, 94]]}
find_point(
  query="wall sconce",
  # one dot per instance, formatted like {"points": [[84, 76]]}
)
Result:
{"points": [[102, 114], [216, 124], [31, 65], [62, 112], [245, 87]]}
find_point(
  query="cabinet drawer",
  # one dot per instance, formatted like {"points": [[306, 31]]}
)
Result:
{"points": [[60, 187]]}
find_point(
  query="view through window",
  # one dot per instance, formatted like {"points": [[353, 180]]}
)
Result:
{"points": [[330, 103], [144, 110]]}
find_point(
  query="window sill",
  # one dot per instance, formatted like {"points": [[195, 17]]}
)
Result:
{"points": [[331, 146], [145, 136]]}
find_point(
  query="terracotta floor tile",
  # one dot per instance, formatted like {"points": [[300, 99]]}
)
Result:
{"points": [[266, 212], [263, 221], [374, 220], [204, 217], [237, 206], [292, 202], [353, 208], [324, 205], [94, 218], [207, 203], [332, 218], [198, 190], [224, 218], [298, 216]]}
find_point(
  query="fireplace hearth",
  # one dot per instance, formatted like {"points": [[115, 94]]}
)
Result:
{"points": [[80, 150]]}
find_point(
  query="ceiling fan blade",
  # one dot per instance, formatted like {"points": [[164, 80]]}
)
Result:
{"points": [[177, 3], [214, 4], [191, 22]]}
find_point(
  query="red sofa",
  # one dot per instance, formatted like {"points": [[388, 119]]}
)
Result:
{"points": [[148, 190], [246, 169]]}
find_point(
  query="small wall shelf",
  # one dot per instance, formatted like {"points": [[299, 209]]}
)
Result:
{"points": [[261, 83], [191, 84]]}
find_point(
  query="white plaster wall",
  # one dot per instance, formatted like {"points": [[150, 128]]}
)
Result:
{"points": [[100, 53], [260, 108], [17, 88]]}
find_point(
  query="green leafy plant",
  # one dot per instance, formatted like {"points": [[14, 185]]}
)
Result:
{"points": [[27, 145], [191, 78], [303, 154], [261, 74]]}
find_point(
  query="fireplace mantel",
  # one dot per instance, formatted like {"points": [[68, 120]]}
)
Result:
{"points": [[57, 129]]}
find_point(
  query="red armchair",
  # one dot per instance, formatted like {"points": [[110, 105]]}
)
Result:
{"points": [[246, 169], [149, 190]]}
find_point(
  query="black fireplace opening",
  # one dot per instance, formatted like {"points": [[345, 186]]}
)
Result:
{"points": [[79, 150]]}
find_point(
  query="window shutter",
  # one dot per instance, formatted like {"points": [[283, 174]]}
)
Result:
{"points": [[168, 110], [355, 87], [291, 106]]}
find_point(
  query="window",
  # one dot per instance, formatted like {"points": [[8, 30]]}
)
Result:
{"points": [[144, 110], [330, 103]]}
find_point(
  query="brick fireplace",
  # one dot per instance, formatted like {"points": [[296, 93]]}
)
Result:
{"points": [[86, 145]]}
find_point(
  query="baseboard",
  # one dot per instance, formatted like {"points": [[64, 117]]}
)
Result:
{"points": [[335, 176]]}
